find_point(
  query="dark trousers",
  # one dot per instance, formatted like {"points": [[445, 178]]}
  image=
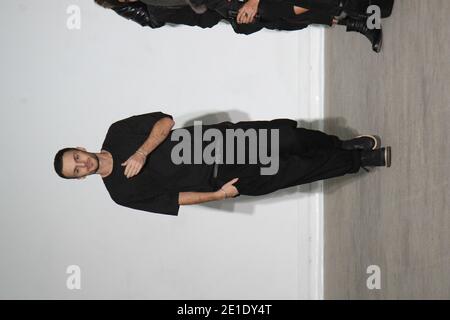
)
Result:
{"points": [[285, 8], [282, 6], [305, 156], [275, 14]]}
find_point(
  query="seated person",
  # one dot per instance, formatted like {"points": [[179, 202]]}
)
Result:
{"points": [[253, 15]]}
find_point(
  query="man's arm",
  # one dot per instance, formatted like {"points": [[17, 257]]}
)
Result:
{"points": [[158, 134], [228, 190], [187, 198]]}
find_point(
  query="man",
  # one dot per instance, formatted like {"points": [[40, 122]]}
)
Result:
{"points": [[137, 164], [250, 16]]}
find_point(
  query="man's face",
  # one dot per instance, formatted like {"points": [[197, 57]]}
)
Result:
{"points": [[79, 163]]}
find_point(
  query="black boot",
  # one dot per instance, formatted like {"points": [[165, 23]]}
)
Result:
{"points": [[375, 36], [376, 158], [366, 142]]}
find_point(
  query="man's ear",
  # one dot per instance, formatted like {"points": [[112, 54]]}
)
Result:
{"points": [[81, 148]]}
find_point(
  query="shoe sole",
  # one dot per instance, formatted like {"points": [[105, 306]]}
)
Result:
{"points": [[388, 156], [376, 139]]}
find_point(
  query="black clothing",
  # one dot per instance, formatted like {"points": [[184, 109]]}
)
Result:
{"points": [[156, 187], [156, 17], [276, 15], [304, 156]]}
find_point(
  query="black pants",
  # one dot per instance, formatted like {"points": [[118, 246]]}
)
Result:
{"points": [[285, 8], [275, 14], [305, 156]]}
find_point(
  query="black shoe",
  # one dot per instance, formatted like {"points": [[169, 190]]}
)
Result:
{"points": [[376, 158], [375, 36], [366, 142]]}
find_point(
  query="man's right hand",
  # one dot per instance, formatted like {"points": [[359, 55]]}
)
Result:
{"points": [[248, 12]]}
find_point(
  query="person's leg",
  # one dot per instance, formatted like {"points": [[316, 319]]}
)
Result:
{"points": [[300, 10], [308, 140], [275, 9], [375, 36], [329, 7], [353, 8], [316, 166], [301, 140], [354, 22], [297, 170], [305, 156], [358, 8], [292, 16]]}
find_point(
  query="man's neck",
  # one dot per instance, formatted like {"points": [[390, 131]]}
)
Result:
{"points": [[105, 163]]}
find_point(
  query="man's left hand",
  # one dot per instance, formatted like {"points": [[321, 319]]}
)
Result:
{"points": [[134, 164]]}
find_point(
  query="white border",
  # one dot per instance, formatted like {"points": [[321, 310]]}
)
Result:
{"points": [[311, 223]]}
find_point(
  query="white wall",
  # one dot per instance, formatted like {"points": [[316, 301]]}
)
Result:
{"points": [[63, 88]]}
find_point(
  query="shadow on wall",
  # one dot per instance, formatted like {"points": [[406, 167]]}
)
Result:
{"points": [[246, 204]]}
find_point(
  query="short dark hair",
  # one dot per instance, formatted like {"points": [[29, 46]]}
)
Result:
{"points": [[109, 4], [58, 162]]}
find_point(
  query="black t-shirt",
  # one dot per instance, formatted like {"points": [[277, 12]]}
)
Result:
{"points": [[157, 186]]}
